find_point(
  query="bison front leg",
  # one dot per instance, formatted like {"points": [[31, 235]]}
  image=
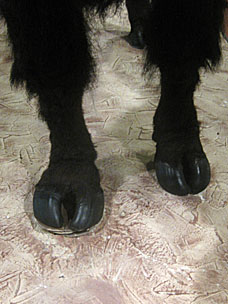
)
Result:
{"points": [[71, 179], [52, 59], [180, 162], [180, 40]]}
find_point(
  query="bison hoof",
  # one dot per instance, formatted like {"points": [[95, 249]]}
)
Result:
{"points": [[78, 191], [84, 209], [189, 175], [47, 207]]}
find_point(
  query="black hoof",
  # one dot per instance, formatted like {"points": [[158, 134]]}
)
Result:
{"points": [[74, 187], [197, 173], [135, 39], [84, 210], [189, 176], [171, 179], [89, 211], [47, 208]]}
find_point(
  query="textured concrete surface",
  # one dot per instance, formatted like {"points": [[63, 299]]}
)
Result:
{"points": [[153, 247]]}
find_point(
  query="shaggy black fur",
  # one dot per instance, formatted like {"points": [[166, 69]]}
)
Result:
{"points": [[52, 59], [137, 12]]}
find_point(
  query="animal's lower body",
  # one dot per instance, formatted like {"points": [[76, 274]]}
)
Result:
{"points": [[52, 58]]}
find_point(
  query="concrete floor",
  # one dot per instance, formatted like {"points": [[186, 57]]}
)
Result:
{"points": [[152, 247]]}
